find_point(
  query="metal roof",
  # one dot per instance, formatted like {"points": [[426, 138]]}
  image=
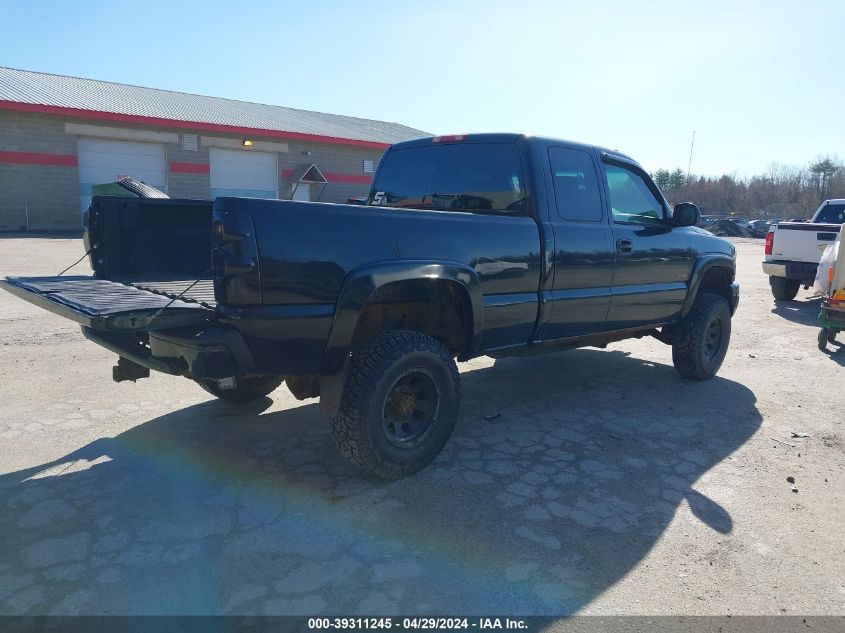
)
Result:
{"points": [[42, 92]]}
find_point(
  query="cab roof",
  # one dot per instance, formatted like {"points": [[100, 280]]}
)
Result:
{"points": [[507, 137]]}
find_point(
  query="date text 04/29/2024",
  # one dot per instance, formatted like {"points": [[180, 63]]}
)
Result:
{"points": [[416, 623]]}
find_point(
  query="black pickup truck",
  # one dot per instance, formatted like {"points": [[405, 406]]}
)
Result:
{"points": [[489, 244]]}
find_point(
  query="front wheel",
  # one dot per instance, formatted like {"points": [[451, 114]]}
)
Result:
{"points": [[399, 405], [702, 338], [247, 388], [784, 289]]}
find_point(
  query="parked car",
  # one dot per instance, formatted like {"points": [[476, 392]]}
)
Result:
{"points": [[488, 244], [760, 226], [793, 249]]}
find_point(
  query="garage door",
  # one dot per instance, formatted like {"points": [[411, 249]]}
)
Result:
{"points": [[102, 161], [243, 173]]}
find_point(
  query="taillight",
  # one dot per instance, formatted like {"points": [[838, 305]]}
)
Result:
{"points": [[231, 227], [234, 255], [449, 138], [770, 242]]}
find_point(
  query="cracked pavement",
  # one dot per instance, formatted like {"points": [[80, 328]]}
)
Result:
{"points": [[607, 485]]}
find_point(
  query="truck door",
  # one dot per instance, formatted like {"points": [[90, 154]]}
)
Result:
{"points": [[583, 246], [653, 262]]}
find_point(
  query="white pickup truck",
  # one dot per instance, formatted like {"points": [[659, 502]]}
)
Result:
{"points": [[793, 249]]}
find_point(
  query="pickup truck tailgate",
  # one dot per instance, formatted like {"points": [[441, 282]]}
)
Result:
{"points": [[802, 242], [101, 304]]}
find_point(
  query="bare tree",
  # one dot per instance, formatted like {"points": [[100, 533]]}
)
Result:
{"points": [[782, 191]]}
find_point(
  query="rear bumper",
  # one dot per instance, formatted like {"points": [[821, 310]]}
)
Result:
{"points": [[210, 352], [801, 271]]}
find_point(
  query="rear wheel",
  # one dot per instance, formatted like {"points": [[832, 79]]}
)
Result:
{"points": [[399, 405], [248, 388], [784, 289], [702, 338], [823, 338]]}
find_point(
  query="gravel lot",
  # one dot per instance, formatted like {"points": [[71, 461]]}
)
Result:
{"points": [[607, 485]]}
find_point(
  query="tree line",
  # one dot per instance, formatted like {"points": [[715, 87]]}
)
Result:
{"points": [[784, 191]]}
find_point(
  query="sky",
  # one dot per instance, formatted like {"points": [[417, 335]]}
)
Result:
{"points": [[758, 82]]}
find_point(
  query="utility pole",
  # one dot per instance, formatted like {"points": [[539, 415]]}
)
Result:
{"points": [[689, 164]]}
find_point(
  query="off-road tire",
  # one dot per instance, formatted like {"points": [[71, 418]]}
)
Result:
{"points": [[248, 388], [376, 367], [784, 289], [690, 349]]}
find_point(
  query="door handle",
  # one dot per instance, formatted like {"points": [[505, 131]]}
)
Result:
{"points": [[624, 246]]}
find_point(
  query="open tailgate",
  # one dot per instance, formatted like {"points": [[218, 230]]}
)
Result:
{"points": [[109, 305]]}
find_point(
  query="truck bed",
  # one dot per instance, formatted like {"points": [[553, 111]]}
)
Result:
{"points": [[119, 305]]}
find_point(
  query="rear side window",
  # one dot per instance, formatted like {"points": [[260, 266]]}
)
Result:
{"points": [[832, 214], [459, 177], [576, 185]]}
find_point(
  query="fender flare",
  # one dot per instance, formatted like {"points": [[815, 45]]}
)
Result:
{"points": [[703, 264], [357, 289], [362, 283]]}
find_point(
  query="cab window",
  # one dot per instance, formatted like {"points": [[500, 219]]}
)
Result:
{"points": [[631, 199], [832, 214], [576, 185], [476, 177]]}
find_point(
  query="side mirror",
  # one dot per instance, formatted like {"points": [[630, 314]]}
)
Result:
{"points": [[686, 214]]}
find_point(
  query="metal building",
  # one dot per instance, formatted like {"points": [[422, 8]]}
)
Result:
{"points": [[61, 136]]}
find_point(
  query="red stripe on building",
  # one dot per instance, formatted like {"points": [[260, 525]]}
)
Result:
{"points": [[38, 158], [336, 177], [190, 125], [190, 168], [357, 179]]}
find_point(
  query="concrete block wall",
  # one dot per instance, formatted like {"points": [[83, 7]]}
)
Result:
{"points": [[341, 164], [187, 185], [49, 191]]}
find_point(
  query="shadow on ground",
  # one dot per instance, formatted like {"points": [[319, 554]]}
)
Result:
{"points": [[803, 312], [836, 350], [216, 508], [807, 313]]}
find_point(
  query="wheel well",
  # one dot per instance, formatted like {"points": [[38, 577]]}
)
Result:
{"points": [[435, 307], [717, 280]]}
